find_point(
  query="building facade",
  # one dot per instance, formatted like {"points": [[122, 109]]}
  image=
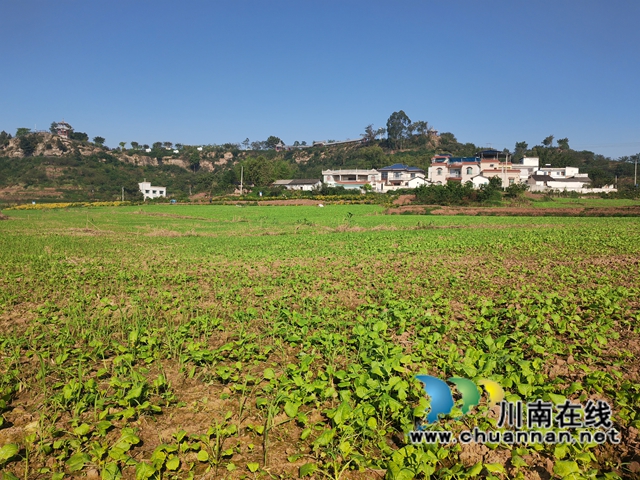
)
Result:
{"points": [[350, 178], [149, 191]]}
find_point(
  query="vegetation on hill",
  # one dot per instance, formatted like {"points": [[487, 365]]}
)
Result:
{"points": [[84, 170]]}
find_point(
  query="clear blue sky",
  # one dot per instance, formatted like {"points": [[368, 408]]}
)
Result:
{"points": [[205, 72]]}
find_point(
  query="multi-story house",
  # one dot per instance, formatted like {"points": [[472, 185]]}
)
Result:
{"points": [[350, 178], [478, 169], [399, 176]]}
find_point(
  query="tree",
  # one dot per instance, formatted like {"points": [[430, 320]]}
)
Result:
{"points": [[28, 144], [369, 134], [397, 127], [519, 152], [563, 143], [296, 143], [135, 145], [54, 127], [122, 144], [246, 143], [259, 171], [167, 144], [547, 142], [194, 159], [79, 136], [156, 145], [4, 138], [304, 142], [22, 131], [272, 141], [99, 140]]}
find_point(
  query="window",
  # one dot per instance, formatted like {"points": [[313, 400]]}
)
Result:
{"points": [[154, 192], [396, 175], [469, 170], [413, 175], [146, 191], [439, 171], [491, 165], [511, 181]]}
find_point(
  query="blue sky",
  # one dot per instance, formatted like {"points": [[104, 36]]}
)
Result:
{"points": [[205, 72]]}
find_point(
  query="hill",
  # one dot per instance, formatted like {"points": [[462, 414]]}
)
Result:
{"points": [[44, 166]]}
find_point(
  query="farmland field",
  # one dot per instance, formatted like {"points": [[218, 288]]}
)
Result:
{"points": [[282, 342]]}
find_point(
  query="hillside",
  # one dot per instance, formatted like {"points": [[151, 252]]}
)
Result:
{"points": [[46, 167]]}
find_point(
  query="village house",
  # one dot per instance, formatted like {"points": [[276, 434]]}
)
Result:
{"points": [[304, 184], [149, 191], [350, 178], [398, 176]]}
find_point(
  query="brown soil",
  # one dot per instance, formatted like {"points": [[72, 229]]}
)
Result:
{"points": [[293, 201], [404, 200], [17, 193], [518, 211]]}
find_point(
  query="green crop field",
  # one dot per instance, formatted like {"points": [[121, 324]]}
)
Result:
{"points": [[266, 342]]}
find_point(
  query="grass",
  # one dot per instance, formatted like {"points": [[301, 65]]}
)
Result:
{"points": [[282, 342]]}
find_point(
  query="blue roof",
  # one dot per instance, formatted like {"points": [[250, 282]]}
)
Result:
{"points": [[400, 166]]}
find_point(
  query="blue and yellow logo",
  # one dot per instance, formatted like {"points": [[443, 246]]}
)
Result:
{"points": [[442, 398]]}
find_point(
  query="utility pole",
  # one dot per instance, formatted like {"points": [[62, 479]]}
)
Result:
{"points": [[123, 194], [241, 175], [635, 173]]}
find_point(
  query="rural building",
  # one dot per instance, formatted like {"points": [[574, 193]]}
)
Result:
{"points": [[398, 176], [305, 184], [63, 129], [527, 166], [350, 178], [477, 170], [149, 191]]}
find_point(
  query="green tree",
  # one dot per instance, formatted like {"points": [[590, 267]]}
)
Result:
{"points": [[54, 127], [4, 138], [79, 136], [547, 142], [563, 143], [135, 145], [28, 144], [98, 140], [519, 152], [122, 145], [397, 128], [194, 160], [22, 131], [272, 141], [259, 171], [246, 142], [369, 134]]}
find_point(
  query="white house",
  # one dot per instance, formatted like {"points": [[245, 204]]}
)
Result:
{"points": [[528, 166], [305, 184], [479, 180], [477, 170], [398, 176], [148, 191], [350, 178]]}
